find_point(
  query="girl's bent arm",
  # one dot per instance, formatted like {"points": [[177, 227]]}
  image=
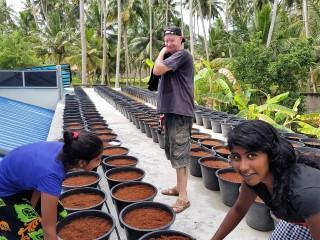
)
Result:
{"points": [[236, 213]]}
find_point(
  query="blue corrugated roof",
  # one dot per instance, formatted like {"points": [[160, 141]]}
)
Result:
{"points": [[22, 123]]}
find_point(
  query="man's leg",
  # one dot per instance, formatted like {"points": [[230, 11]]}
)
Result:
{"points": [[182, 180]]}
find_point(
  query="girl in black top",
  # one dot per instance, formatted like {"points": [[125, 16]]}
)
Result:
{"points": [[287, 182]]}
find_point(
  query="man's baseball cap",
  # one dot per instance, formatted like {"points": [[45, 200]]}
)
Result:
{"points": [[173, 30]]}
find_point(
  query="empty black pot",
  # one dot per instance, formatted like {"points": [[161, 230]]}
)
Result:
{"points": [[165, 233]]}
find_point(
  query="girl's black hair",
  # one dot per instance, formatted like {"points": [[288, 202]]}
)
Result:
{"points": [[79, 146], [259, 136]]}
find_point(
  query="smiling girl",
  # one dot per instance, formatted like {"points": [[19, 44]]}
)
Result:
{"points": [[287, 182]]}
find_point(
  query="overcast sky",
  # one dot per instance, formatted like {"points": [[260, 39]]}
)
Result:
{"points": [[16, 5]]}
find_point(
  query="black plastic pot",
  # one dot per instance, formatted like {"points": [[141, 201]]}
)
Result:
{"points": [[258, 217], [293, 136], [311, 142], [108, 136], [198, 117], [215, 124], [112, 182], [124, 149], [221, 150], [165, 233], [88, 213], [133, 233], [215, 142], [206, 120], [84, 190], [209, 177], [148, 130], [121, 203], [154, 135], [200, 135], [107, 166], [82, 173], [229, 190], [161, 140], [296, 144], [195, 169], [226, 127]]}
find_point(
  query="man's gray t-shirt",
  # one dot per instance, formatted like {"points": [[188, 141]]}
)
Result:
{"points": [[175, 92]]}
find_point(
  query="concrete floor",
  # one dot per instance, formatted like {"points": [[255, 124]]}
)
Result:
{"points": [[207, 211]]}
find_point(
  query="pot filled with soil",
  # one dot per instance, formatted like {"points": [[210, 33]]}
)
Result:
{"points": [[294, 136], [229, 183], [206, 120], [145, 217], [296, 144], [119, 161], [211, 142], [107, 136], [83, 199], [80, 179], [167, 235], [198, 117], [127, 193], [97, 126], [311, 142], [200, 135], [195, 155], [223, 151], [123, 174], [258, 216], [102, 131], [112, 143], [82, 225], [209, 166], [114, 151]]}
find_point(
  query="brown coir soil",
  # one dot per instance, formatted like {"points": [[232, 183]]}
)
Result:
{"points": [[194, 145], [170, 238], [215, 164], [212, 143], [79, 180], [85, 229], [199, 136], [147, 218], [107, 137], [97, 126], [223, 150], [115, 151], [102, 131], [81, 200], [121, 162], [125, 176], [200, 154], [231, 177], [134, 193]]}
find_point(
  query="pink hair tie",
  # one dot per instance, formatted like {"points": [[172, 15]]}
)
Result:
{"points": [[75, 135]]}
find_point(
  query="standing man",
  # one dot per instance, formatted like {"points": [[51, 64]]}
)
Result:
{"points": [[176, 102]]}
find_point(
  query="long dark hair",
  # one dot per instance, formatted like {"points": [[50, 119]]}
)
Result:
{"points": [[260, 136], [79, 146]]}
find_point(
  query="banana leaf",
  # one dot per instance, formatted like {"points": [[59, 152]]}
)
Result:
{"points": [[277, 108], [277, 98]]}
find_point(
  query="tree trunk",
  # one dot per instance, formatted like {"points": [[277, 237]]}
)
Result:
{"points": [[273, 21], [83, 45], [102, 5], [125, 41], [118, 45], [191, 28], [227, 14], [104, 42], [305, 17], [150, 29], [210, 14], [167, 11], [204, 32], [181, 15], [34, 13]]}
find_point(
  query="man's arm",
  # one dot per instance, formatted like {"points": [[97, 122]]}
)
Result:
{"points": [[159, 68]]}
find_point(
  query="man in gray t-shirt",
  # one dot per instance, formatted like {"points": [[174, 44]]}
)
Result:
{"points": [[176, 102]]}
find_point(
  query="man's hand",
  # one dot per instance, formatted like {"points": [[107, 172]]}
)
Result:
{"points": [[159, 68]]}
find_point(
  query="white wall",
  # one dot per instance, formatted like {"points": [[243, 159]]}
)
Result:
{"points": [[42, 97]]}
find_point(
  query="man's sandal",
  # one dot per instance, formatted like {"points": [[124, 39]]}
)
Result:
{"points": [[170, 192], [180, 205]]}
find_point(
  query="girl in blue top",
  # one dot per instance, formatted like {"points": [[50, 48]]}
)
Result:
{"points": [[288, 182], [34, 174]]}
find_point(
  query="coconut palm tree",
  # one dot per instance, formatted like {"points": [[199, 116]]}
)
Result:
{"points": [[83, 45], [119, 23]]}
